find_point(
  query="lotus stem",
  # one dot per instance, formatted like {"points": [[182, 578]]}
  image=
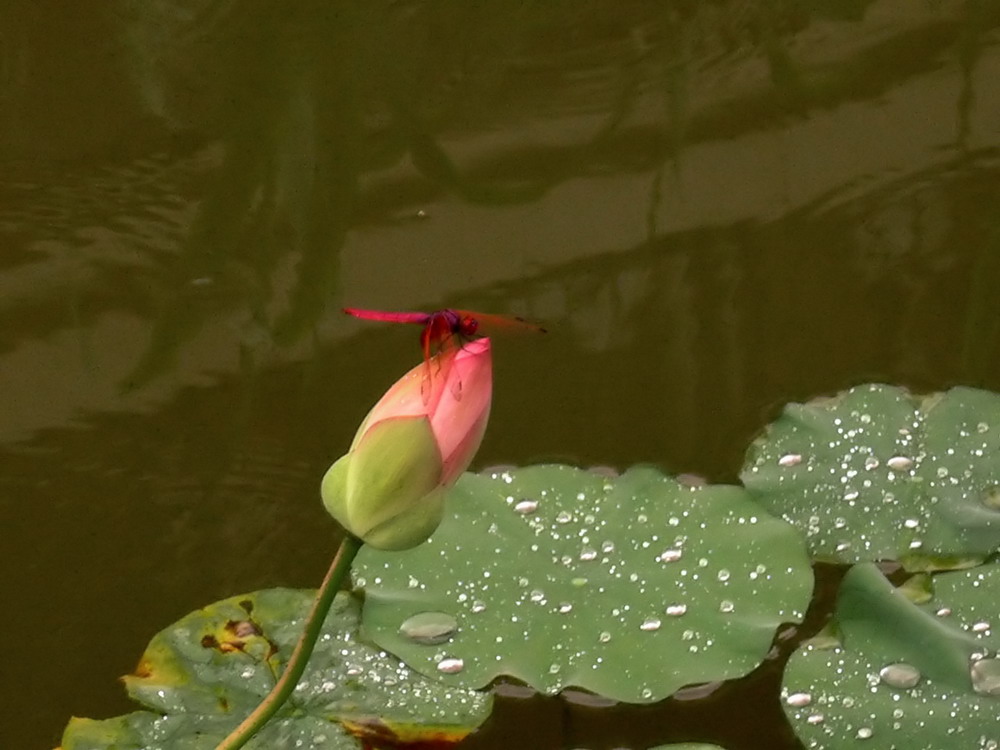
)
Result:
{"points": [[296, 664]]}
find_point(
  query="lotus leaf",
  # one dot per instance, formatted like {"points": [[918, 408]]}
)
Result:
{"points": [[876, 473], [630, 587], [203, 674], [902, 675]]}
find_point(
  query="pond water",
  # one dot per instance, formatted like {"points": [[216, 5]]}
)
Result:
{"points": [[715, 208]]}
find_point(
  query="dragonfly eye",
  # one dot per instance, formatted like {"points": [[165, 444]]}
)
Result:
{"points": [[469, 325]]}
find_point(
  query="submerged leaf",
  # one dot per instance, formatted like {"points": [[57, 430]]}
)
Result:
{"points": [[904, 675], [205, 673], [876, 473], [630, 587]]}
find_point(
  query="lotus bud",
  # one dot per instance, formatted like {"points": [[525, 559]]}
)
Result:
{"points": [[389, 489]]}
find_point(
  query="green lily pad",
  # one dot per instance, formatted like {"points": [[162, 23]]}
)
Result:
{"points": [[206, 672], [144, 730], [876, 473], [903, 675], [630, 587]]}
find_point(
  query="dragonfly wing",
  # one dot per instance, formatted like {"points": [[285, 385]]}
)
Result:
{"points": [[419, 318], [490, 323]]}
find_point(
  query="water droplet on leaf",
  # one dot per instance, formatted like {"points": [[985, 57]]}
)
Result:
{"points": [[526, 506], [429, 628], [798, 700], [671, 555], [985, 675], [451, 665], [901, 675]]}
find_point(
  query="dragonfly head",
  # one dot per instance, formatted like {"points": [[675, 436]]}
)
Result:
{"points": [[468, 325]]}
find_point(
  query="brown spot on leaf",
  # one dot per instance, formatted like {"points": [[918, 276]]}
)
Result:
{"points": [[374, 734], [143, 670]]}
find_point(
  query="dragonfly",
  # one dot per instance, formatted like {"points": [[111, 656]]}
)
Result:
{"points": [[445, 331]]}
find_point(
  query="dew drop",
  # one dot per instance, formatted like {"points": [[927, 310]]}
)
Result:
{"points": [[723, 575], [943, 612], [726, 606], [871, 463], [901, 675], [604, 637], [537, 595], [815, 719], [451, 665], [565, 608], [554, 669], [980, 627], [864, 733], [799, 700], [564, 517], [608, 546], [477, 606], [578, 582], [982, 427], [911, 523], [671, 555], [899, 463], [985, 675], [650, 623], [429, 628], [790, 459], [942, 472], [526, 506], [676, 610], [588, 553]]}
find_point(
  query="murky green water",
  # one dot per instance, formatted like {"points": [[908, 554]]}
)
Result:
{"points": [[714, 207]]}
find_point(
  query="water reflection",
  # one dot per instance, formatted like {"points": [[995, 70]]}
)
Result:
{"points": [[716, 207]]}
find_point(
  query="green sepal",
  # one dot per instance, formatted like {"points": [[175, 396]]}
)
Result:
{"points": [[387, 490]]}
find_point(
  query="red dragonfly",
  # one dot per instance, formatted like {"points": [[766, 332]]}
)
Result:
{"points": [[445, 330]]}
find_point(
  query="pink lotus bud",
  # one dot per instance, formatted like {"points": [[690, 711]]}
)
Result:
{"points": [[389, 489]]}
